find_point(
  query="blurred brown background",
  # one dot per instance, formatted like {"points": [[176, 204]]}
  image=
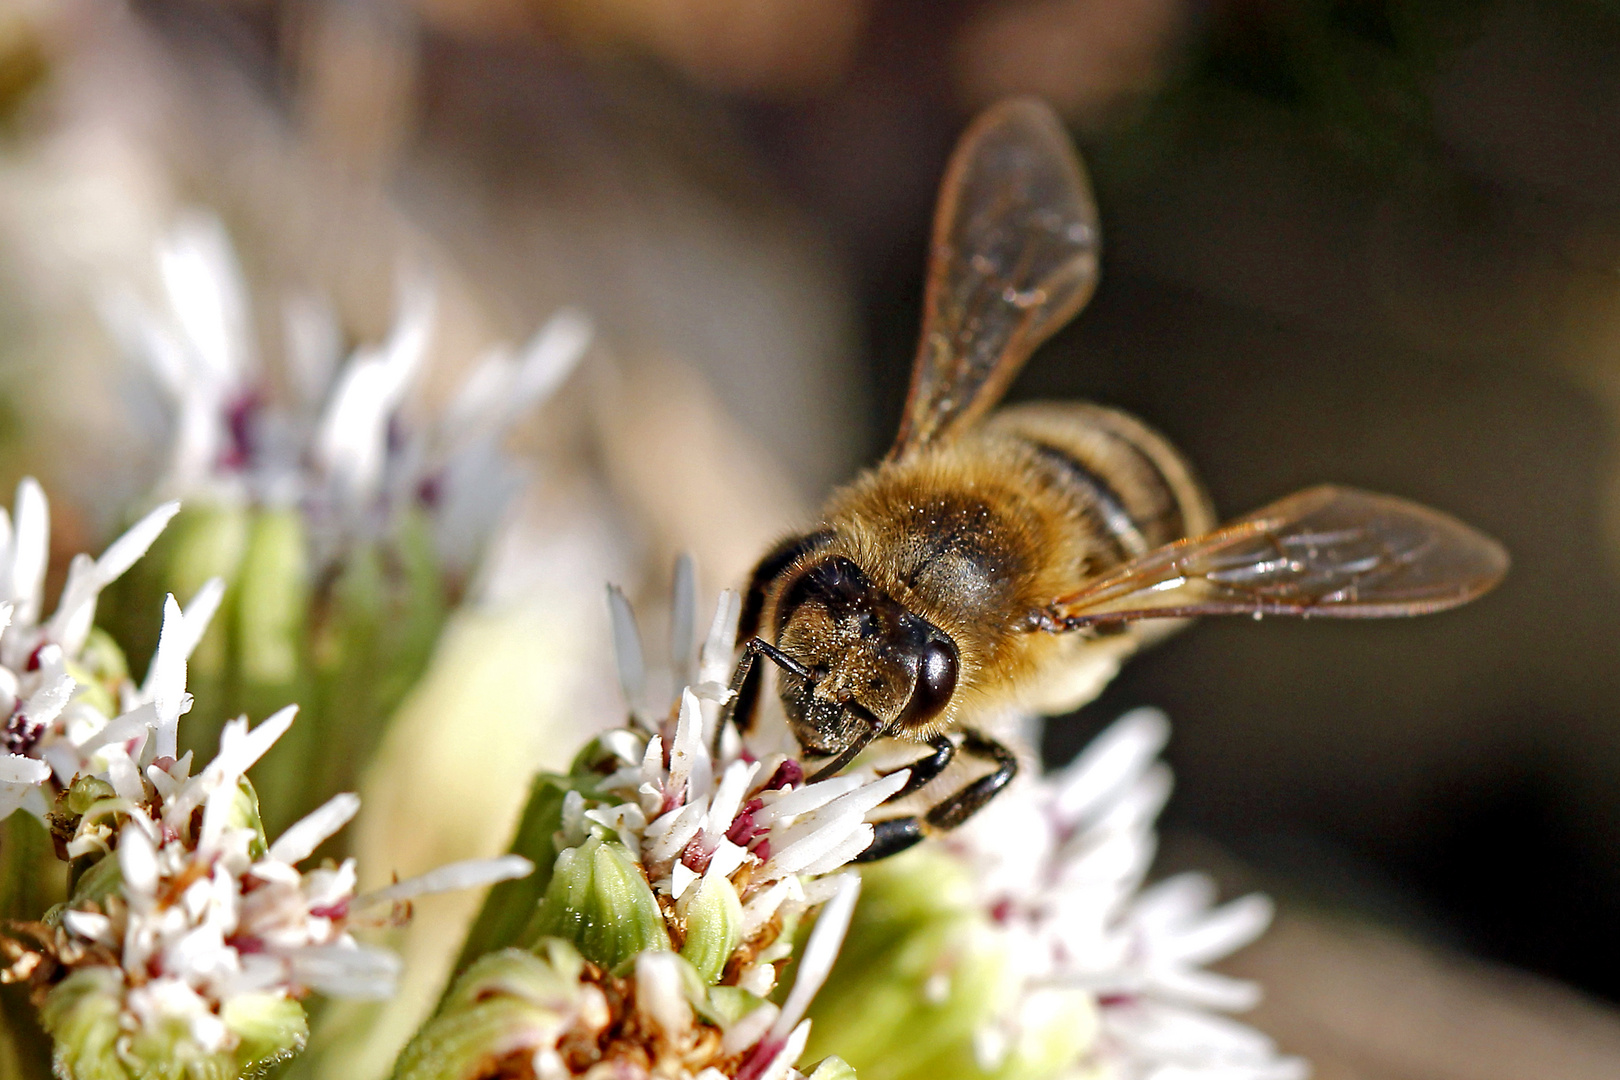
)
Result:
{"points": [[1368, 241]]}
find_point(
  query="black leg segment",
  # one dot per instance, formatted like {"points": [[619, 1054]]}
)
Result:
{"points": [[896, 834], [926, 770], [891, 837], [971, 799]]}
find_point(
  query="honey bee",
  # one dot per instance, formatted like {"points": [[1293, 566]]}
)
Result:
{"points": [[1015, 559]]}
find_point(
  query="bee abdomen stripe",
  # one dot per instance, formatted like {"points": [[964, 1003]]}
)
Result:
{"points": [[1098, 495], [1171, 524]]}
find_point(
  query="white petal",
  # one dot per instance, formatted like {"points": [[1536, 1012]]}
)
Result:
{"points": [[1175, 901], [121, 728], [847, 848], [805, 799], [77, 608], [720, 645], [47, 703], [16, 769], [30, 550], [689, 763], [208, 297], [750, 1029], [660, 995], [784, 1058], [90, 926], [627, 648], [1205, 989], [683, 825], [352, 443], [125, 777], [1224, 930], [819, 953], [682, 618], [550, 356], [470, 874], [1112, 760], [681, 877], [347, 972], [734, 784], [312, 830], [137, 861]]}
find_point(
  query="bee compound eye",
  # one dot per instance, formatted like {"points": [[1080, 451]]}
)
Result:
{"points": [[937, 670]]}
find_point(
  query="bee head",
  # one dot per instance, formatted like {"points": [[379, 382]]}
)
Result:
{"points": [[871, 661]]}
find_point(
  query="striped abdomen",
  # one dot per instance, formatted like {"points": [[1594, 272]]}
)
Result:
{"points": [[1131, 488]]}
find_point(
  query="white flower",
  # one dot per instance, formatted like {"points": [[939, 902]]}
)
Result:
{"points": [[205, 915], [1058, 865], [694, 819], [48, 733], [337, 445]]}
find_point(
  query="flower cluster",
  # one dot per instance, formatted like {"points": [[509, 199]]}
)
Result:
{"points": [[681, 877], [1036, 945], [60, 680], [344, 525], [334, 442], [187, 938], [194, 940], [736, 834], [1060, 867]]}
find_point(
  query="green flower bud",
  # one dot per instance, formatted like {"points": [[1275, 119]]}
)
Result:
{"points": [[371, 637], [81, 1014], [345, 633], [100, 880], [244, 814], [832, 1068], [269, 1027], [713, 914], [509, 1004], [725, 1005], [86, 792], [273, 1030], [599, 899]]}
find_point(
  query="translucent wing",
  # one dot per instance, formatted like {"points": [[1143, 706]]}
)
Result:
{"points": [[1014, 257], [1327, 551]]}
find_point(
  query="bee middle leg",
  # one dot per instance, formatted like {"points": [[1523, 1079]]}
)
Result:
{"points": [[897, 834], [925, 770]]}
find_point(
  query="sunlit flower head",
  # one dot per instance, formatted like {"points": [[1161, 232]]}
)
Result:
{"points": [[681, 875], [697, 822]]}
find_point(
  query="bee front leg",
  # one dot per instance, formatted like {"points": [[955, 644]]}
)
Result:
{"points": [[926, 770], [897, 834]]}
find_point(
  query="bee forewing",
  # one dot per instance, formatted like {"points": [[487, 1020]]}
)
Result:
{"points": [[1327, 551], [1013, 258]]}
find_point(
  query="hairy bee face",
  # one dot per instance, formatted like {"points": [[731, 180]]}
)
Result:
{"points": [[872, 663]]}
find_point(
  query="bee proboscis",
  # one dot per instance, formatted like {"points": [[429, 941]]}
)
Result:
{"points": [[1013, 559]]}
